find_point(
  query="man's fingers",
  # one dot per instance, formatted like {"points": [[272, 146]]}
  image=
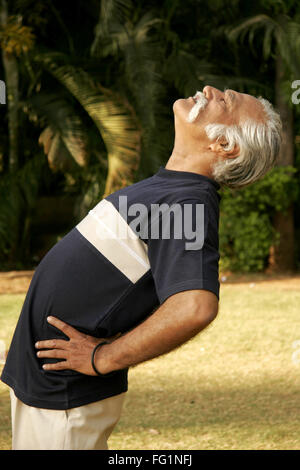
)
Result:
{"points": [[63, 365], [57, 353], [52, 344], [64, 327]]}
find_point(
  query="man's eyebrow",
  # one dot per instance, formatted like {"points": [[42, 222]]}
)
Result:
{"points": [[229, 94]]}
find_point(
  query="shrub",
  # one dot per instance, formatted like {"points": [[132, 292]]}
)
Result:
{"points": [[246, 230]]}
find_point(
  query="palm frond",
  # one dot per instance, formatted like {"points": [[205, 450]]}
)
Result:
{"points": [[57, 154], [250, 26], [185, 71], [282, 31], [113, 116], [111, 11], [64, 131]]}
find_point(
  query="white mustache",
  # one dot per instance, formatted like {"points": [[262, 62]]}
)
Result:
{"points": [[201, 103]]}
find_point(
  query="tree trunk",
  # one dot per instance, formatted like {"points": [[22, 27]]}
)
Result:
{"points": [[11, 71], [282, 256]]}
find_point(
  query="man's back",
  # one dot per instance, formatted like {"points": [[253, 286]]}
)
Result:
{"points": [[106, 276]]}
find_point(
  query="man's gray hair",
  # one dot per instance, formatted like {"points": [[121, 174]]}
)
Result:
{"points": [[259, 144]]}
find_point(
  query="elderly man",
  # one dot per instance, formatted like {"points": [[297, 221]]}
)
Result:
{"points": [[115, 292]]}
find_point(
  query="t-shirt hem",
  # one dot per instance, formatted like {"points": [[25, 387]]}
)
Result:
{"points": [[192, 284], [59, 404]]}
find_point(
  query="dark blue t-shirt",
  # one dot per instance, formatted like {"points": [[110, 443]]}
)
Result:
{"points": [[133, 250]]}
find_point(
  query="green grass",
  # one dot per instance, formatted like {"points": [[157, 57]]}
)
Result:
{"points": [[10, 307], [234, 386]]}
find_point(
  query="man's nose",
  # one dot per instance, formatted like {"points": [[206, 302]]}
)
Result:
{"points": [[210, 91]]}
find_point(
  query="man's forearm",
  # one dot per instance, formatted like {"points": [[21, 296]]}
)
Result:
{"points": [[172, 324]]}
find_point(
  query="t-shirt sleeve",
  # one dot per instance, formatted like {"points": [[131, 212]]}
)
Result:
{"points": [[183, 249]]}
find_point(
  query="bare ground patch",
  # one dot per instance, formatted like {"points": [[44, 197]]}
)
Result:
{"points": [[17, 282]]}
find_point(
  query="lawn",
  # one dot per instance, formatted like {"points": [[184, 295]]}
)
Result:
{"points": [[234, 386]]}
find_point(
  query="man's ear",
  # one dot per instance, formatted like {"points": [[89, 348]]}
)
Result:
{"points": [[218, 147]]}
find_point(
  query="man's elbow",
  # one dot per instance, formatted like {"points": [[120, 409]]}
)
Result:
{"points": [[206, 316], [200, 307], [206, 311]]}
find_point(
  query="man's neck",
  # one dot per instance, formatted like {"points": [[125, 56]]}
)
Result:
{"points": [[195, 164]]}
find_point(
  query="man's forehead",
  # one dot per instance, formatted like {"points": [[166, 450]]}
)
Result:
{"points": [[234, 94], [249, 103]]}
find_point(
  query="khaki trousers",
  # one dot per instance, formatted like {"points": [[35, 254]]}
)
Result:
{"points": [[84, 428]]}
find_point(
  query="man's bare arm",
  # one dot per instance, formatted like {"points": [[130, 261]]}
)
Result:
{"points": [[177, 320]]}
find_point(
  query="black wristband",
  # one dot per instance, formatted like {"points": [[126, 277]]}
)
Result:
{"points": [[93, 361]]}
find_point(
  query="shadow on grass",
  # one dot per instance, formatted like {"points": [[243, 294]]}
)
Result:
{"points": [[267, 412], [189, 405]]}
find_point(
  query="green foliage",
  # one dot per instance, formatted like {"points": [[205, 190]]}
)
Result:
{"points": [[64, 139], [16, 38], [18, 198], [96, 88], [131, 39], [246, 231]]}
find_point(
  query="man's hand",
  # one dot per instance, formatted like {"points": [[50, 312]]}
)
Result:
{"points": [[76, 352], [178, 319]]}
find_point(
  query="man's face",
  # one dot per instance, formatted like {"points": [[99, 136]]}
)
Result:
{"points": [[228, 107]]}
